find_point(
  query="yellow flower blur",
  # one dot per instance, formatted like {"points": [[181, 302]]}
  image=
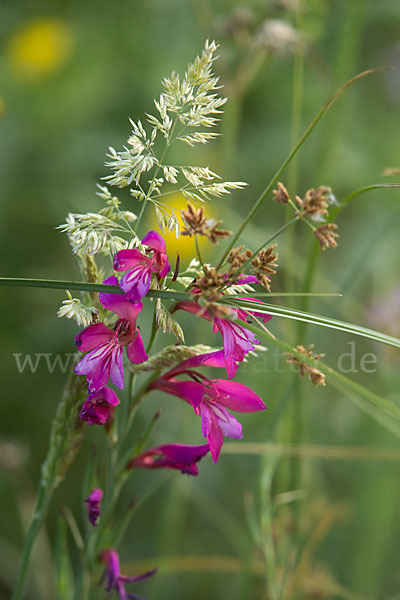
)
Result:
{"points": [[39, 48], [184, 245]]}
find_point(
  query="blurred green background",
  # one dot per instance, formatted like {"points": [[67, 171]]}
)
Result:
{"points": [[71, 73]]}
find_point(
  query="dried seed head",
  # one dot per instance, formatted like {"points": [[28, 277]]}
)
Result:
{"points": [[238, 256], [264, 265], [316, 202], [209, 283], [316, 376], [281, 194], [326, 235], [197, 224]]}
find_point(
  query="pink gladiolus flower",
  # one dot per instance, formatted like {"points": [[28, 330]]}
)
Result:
{"points": [[136, 282], [115, 580], [171, 456], [211, 398], [99, 407], [237, 340], [93, 505], [105, 346]]}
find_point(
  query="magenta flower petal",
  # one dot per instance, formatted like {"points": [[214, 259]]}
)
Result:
{"points": [[115, 580], [136, 283], [154, 241], [193, 308], [215, 422], [99, 406], [172, 456], [216, 440], [99, 364], [238, 341], [119, 304], [117, 367], [247, 279], [212, 359], [231, 427], [128, 259], [136, 351], [96, 366], [190, 391], [110, 396], [91, 337], [237, 396], [246, 315], [163, 265], [93, 505]]}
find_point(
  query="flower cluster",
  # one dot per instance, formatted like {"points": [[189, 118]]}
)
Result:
{"points": [[210, 398]]}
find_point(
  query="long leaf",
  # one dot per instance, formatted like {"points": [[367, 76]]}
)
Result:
{"points": [[84, 286], [298, 315]]}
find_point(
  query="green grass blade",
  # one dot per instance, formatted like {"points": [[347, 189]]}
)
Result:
{"points": [[298, 315], [83, 286]]}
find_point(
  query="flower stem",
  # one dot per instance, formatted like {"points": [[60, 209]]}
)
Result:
{"points": [[271, 239], [64, 443], [42, 503]]}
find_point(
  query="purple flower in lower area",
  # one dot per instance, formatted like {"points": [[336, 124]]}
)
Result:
{"points": [[237, 340], [93, 505], [105, 346], [140, 268], [171, 456], [114, 578], [99, 407], [210, 398]]}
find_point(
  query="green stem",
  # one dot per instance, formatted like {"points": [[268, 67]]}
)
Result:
{"points": [[271, 239], [295, 131], [84, 286], [42, 503], [151, 185], [154, 330], [64, 443], [196, 240], [292, 154]]}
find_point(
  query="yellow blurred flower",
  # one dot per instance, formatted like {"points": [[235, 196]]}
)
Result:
{"points": [[40, 47], [184, 245]]}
